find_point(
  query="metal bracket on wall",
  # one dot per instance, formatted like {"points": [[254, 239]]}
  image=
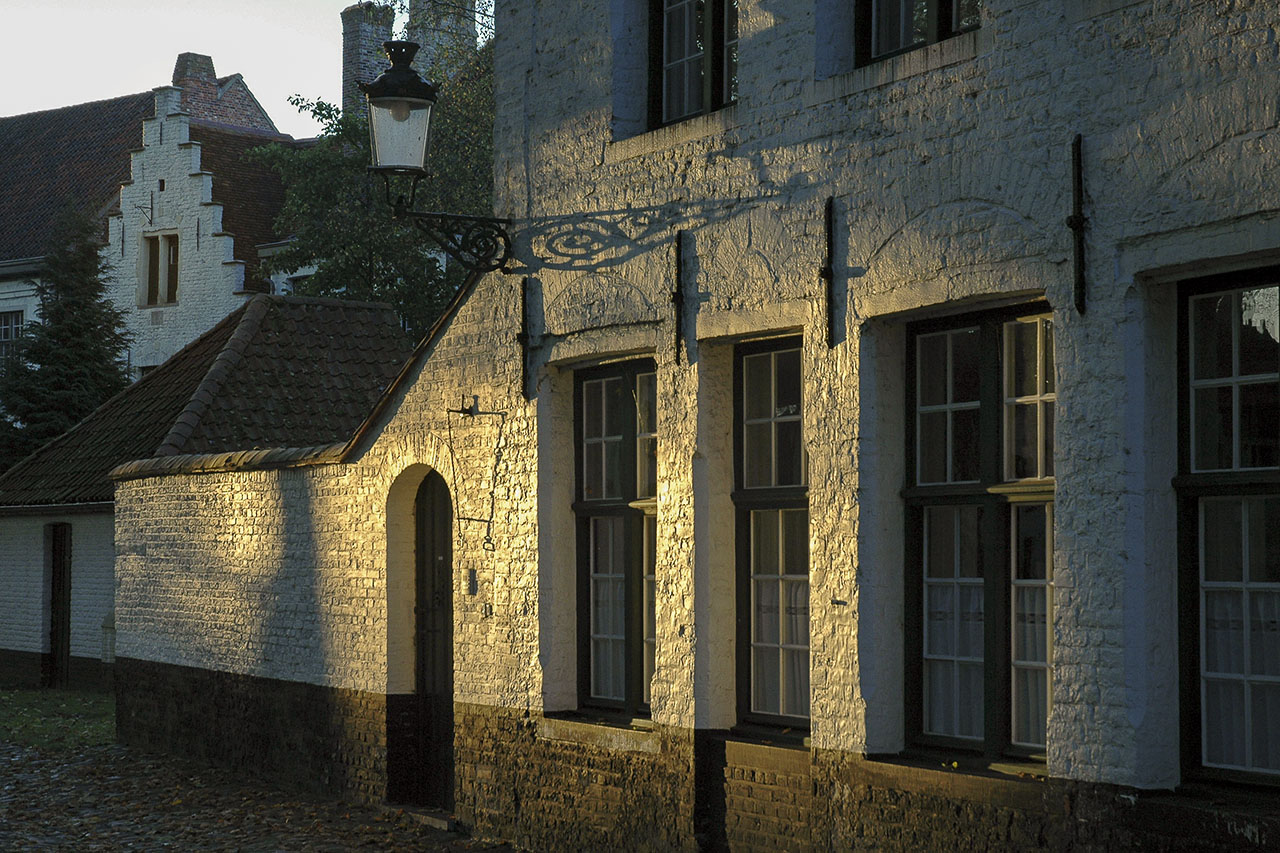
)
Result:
{"points": [[1078, 222], [828, 271], [522, 338], [677, 295]]}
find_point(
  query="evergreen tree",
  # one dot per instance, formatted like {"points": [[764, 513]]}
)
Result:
{"points": [[72, 360], [337, 216]]}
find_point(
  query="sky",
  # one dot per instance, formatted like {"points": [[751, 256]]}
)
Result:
{"points": [[54, 53]]}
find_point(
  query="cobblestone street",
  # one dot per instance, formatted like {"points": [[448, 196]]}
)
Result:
{"points": [[113, 798]]}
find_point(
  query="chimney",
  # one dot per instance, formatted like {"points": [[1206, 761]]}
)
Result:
{"points": [[446, 29], [193, 74], [365, 26]]}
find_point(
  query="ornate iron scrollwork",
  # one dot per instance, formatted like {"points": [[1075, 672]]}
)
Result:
{"points": [[479, 243]]}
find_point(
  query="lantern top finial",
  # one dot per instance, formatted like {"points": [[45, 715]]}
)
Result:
{"points": [[400, 80]]}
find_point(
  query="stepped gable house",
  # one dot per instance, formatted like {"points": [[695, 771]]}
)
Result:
{"points": [[873, 444]]}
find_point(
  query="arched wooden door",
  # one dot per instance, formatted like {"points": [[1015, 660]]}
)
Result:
{"points": [[433, 642]]}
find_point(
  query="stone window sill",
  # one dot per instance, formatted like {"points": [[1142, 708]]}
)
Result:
{"points": [[603, 733], [962, 48], [662, 138]]}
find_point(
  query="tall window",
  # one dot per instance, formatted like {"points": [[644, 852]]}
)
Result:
{"points": [[616, 414], [1229, 492], [888, 27], [10, 328], [980, 531], [160, 255], [694, 44], [773, 534]]}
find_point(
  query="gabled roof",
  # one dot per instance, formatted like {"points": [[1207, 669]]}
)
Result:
{"points": [[281, 371], [77, 155], [250, 193]]}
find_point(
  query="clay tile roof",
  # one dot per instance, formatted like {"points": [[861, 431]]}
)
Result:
{"points": [[76, 155], [281, 371], [250, 193]]}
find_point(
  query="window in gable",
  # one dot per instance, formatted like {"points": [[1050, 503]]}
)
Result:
{"points": [[694, 58], [889, 27], [160, 270]]}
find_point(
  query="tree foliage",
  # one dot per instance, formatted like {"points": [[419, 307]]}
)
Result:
{"points": [[72, 361], [337, 216]]}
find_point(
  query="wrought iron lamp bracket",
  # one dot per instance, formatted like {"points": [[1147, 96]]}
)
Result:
{"points": [[479, 243]]}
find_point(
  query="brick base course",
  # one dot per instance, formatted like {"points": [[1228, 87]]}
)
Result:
{"points": [[561, 784]]}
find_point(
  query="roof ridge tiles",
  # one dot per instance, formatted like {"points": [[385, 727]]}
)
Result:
{"points": [[230, 357]]}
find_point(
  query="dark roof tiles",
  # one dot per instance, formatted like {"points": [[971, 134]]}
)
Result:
{"points": [[280, 372]]}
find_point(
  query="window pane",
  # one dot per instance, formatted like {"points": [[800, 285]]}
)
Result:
{"points": [[1030, 543], [646, 467], [969, 637], [765, 629], [1211, 335], [964, 446], [931, 369], [615, 407], [1023, 377], [970, 559], [764, 542], [1224, 731], [788, 386], [592, 471], [1266, 726], [757, 452], [932, 461], [1030, 701], [646, 403], [1031, 624], [790, 454], [612, 469], [1024, 441], [1264, 633], [1223, 632], [966, 13], [797, 696], [1260, 425], [939, 697], [1212, 425], [1259, 328], [1222, 556], [592, 409], [796, 613], [964, 366], [939, 532], [940, 619], [795, 537], [757, 384], [972, 694], [1264, 540], [764, 681]]}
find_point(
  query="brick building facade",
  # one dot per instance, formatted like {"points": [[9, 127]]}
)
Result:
{"points": [[800, 486]]}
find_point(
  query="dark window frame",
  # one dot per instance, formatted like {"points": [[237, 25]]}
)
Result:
{"points": [[11, 326], [940, 26], [746, 500], [1189, 487], [995, 496], [713, 63], [624, 507]]}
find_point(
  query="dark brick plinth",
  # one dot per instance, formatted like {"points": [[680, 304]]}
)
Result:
{"points": [[315, 738]]}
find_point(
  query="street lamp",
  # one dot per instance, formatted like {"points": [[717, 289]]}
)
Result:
{"points": [[400, 105]]}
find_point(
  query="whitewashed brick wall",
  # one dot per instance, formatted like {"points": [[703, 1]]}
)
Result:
{"points": [[24, 619], [951, 173]]}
